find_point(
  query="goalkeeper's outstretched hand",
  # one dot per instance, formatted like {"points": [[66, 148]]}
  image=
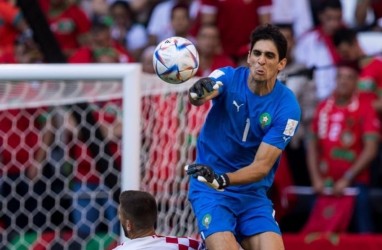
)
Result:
{"points": [[205, 174], [204, 87]]}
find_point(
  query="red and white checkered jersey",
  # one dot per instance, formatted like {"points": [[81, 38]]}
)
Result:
{"points": [[156, 242]]}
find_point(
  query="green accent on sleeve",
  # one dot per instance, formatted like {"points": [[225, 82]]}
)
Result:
{"points": [[371, 137]]}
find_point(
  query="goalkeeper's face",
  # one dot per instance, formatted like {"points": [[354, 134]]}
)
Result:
{"points": [[264, 62]]}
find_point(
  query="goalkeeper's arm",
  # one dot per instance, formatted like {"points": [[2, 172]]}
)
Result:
{"points": [[203, 90], [265, 158]]}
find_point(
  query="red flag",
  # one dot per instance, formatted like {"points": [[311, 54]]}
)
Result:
{"points": [[330, 214]]}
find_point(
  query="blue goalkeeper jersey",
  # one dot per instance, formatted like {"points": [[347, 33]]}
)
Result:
{"points": [[240, 120]]}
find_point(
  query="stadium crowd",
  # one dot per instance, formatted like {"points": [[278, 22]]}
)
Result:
{"points": [[330, 42]]}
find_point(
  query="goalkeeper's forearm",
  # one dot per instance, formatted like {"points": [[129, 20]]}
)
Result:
{"points": [[247, 175], [266, 157], [254, 172]]}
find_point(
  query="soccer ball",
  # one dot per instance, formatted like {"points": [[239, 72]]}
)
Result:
{"points": [[175, 60]]}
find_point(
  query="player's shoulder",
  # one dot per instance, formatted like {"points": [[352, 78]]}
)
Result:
{"points": [[228, 72]]}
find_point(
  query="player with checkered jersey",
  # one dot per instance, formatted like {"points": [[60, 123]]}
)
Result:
{"points": [[138, 213]]}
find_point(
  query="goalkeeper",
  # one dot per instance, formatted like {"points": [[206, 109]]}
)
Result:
{"points": [[253, 118]]}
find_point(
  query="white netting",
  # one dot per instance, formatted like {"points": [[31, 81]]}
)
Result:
{"points": [[72, 131]]}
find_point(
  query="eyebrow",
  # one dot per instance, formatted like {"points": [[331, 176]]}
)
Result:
{"points": [[264, 52]]}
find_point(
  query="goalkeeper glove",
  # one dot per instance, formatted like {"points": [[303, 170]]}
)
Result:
{"points": [[203, 87], [206, 175]]}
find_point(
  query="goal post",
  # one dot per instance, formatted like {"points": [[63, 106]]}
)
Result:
{"points": [[154, 140], [129, 74]]}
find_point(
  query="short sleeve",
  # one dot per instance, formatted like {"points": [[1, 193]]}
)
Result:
{"points": [[285, 124]]}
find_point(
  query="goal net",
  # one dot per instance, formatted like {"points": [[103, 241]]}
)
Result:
{"points": [[72, 137]]}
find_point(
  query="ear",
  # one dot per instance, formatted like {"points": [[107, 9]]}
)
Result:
{"points": [[282, 64], [128, 225], [248, 56]]}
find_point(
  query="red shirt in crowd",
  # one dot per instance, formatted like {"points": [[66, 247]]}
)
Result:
{"points": [[9, 16], [67, 25], [87, 54], [370, 83], [340, 131]]}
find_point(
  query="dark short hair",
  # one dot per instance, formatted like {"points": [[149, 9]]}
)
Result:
{"points": [[139, 207], [180, 6], [284, 26], [126, 5], [329, 4], [272, 33], [344, 35]]}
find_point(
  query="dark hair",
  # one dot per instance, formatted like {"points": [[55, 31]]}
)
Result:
{"points": [[140, 207], [180, 6], [349, 64], [272, 33], [99, 26], [126, 6], [344, 35], [329, 4], [284, 26]]}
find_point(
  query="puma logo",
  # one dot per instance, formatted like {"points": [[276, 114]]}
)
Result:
{"points": [[286, 138], [237, 105]]}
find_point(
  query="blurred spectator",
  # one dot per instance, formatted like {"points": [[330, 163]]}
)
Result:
{"points": [[159, 25], [125, 30], [94, 9], [352, 9], [299, 15], [370, 83], [209, 49], [25, 53], [316, 50], [349, 46], [98, 9], [230, 14], [362, 14], [13, 28], [297, 77], [143, 9], [102, 49], [343, 143], [181, 21], [68, 22]]}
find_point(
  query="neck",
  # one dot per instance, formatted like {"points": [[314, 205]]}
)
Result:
{"points": [[141, 233], [261, 88]]}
